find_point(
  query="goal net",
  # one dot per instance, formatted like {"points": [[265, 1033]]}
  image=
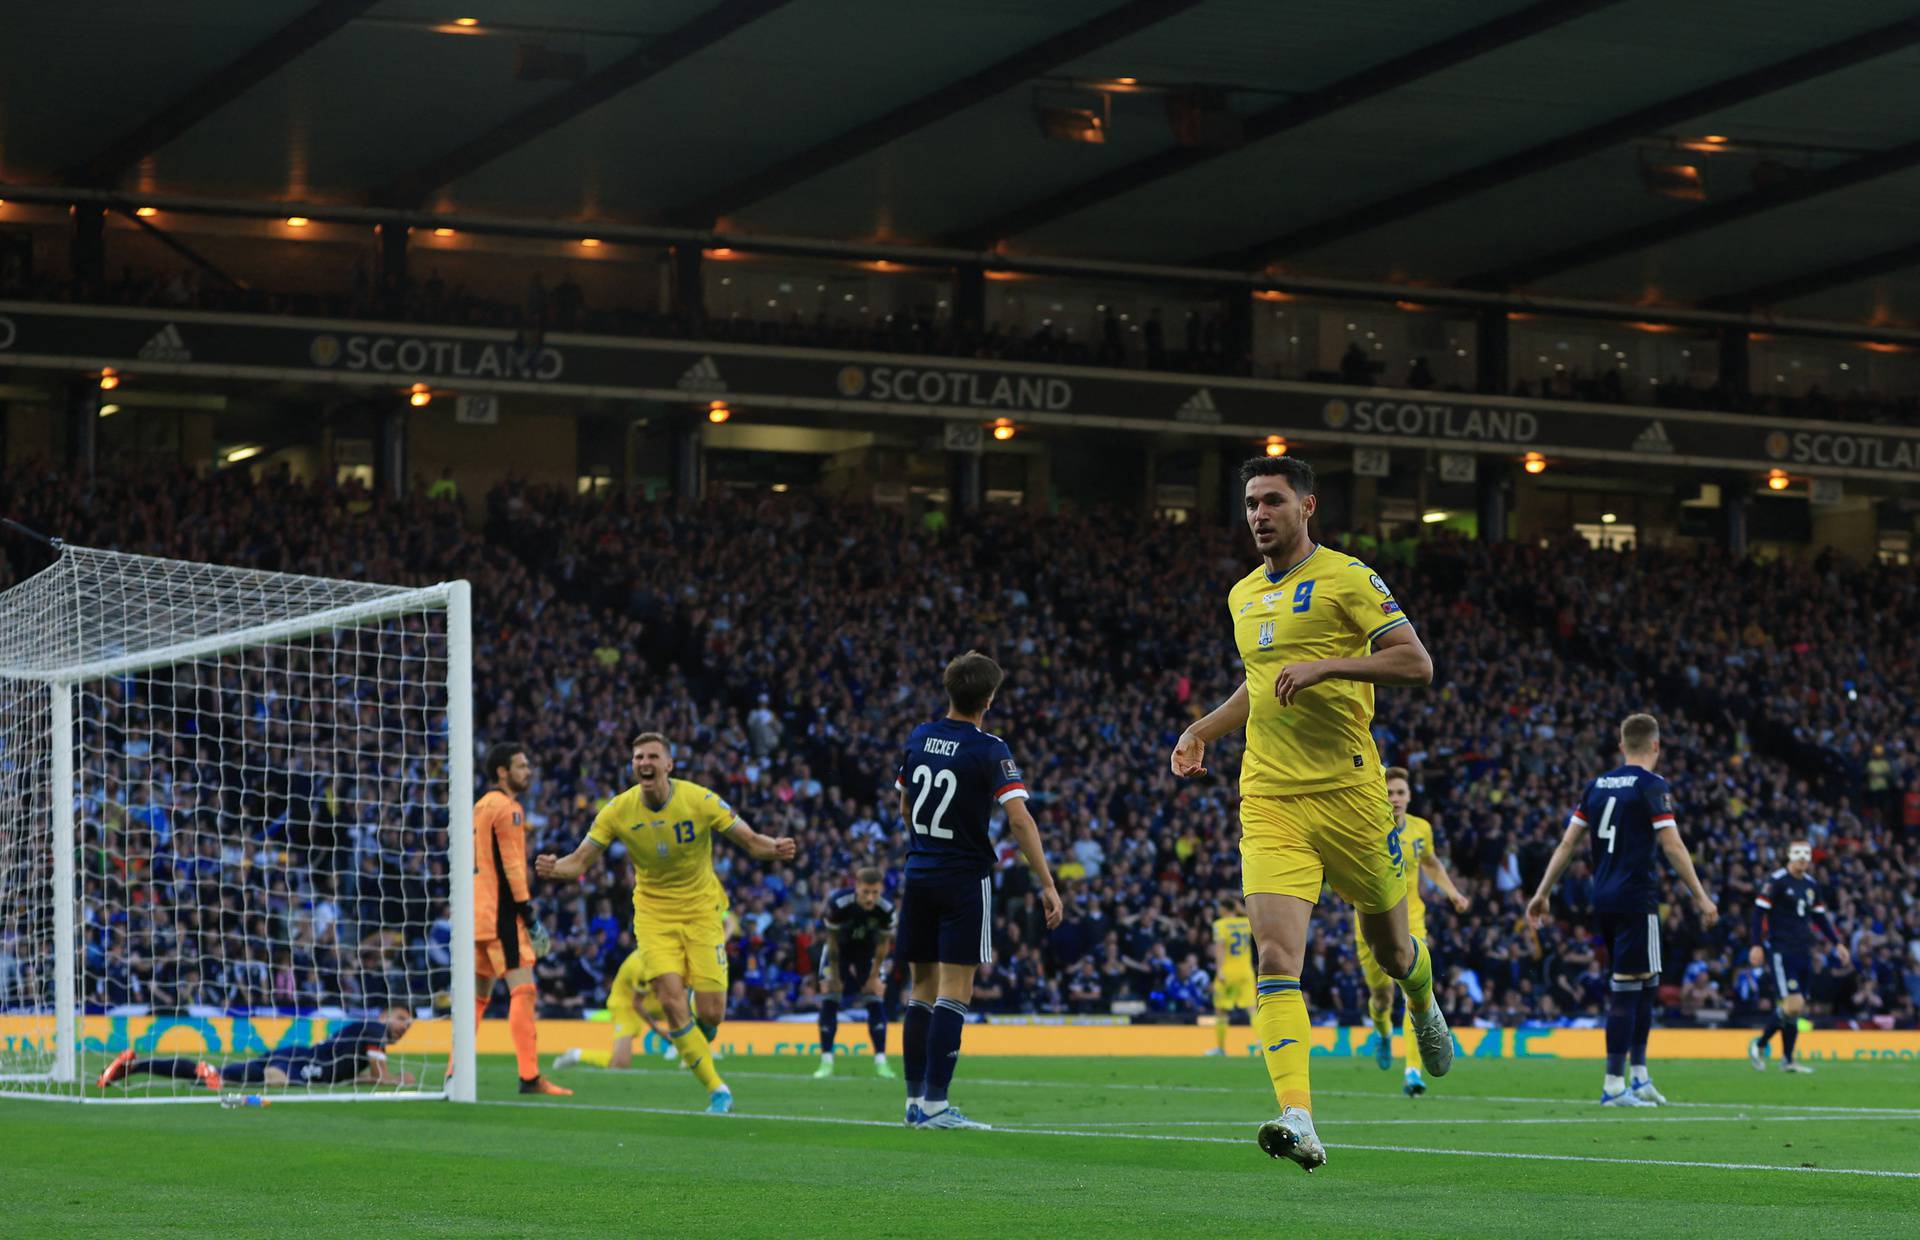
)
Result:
{"points": [[235, 830]]}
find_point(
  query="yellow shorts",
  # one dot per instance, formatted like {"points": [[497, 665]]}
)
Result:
{"points": [[1376, 976], [696, 949], [1234, 992], [1343, 838], [626, 1009]]}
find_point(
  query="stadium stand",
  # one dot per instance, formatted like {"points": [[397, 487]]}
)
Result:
{"points": [[1788, 691]]}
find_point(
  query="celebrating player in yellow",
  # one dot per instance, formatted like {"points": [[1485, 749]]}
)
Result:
{"points": [[1232, 970], [1316, 630], [679, 909], [1416, 843]]}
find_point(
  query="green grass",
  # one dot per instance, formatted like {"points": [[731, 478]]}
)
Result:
{"points": [[1113, 1147]]}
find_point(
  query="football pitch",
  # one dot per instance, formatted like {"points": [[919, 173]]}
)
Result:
{"points": [[1081, 1147]]}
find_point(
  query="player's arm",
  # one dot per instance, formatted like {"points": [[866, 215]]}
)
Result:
{"points": [[1556, 866], [1436, 872], [574, 864], [511, 843], [758, 846], [1823, 921], [1762, 913], [1682, 861], [1026, 833], [881, 952], [1398, 658], [1191, 751]]}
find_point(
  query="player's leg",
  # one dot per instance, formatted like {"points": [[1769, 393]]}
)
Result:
{"points": [[918, 945], [1638, 1079], [965, 942], [877, 1032], [706, 956], [709, 1007], [1792, 1006], [1354, 831], [667, 959], [1281, 875], [627, 1025], [522, 998], [829, 1030], [1380, 991], [1222, 1017]]}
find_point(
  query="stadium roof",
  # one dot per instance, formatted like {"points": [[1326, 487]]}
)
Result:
{"points": [[1543, 147]]}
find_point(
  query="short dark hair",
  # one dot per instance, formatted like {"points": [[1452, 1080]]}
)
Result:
{"points": [[1298, 473], [1398, 772], [869, 874], [1639, 733], [646, 738], [499, 755], [971, 681]]}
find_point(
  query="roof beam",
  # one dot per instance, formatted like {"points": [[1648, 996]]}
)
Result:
{"points": [[228, 83], [624, 74], [1556, 151], [1687, 223], [928, 109], [1835, 276], [1300, 110]]}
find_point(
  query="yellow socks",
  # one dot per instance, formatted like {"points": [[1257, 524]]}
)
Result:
{"points": [[1221, 1020], [1382, 1017], [1281, 1021], [1418, 984], [697, 1055]]}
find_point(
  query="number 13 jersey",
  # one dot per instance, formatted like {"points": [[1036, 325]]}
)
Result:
{"points": [[954, 775]]}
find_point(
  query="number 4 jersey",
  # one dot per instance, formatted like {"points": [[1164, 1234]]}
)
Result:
{"points": [[954, 775], [1625, 809]]}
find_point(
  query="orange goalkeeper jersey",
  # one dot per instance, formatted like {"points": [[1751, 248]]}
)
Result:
{"points": [[499, 862]]}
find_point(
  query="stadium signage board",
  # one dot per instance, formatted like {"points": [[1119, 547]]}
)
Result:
{"points": [[950, 389]]}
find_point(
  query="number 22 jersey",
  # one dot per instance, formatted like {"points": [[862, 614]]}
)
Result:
{"points": [[954, 775]]}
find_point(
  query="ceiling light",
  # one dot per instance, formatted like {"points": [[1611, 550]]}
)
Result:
{"points": [[1607, 518], [1715, 138], [107, 411], [420, 400], [298, 221], [443, 232], [146, 213], [779, 488], [1276, 446], [1535, 463], [1434, 517], [243, 454], [109, 378], [718, 412], [466, 21], [590, 242], [1777, 480]]}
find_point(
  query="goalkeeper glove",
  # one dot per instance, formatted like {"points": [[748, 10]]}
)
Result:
{"points": [[537, 935]]}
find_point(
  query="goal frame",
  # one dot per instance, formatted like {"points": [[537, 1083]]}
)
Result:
{"points": [[61, 683]]}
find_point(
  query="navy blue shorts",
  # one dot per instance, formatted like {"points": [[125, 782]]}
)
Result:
{"points": [[946, 921], [1788, 972], [839, 976], [1633, 941]]}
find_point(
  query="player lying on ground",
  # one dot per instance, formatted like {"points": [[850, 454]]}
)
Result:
{"points": [[858, 921], [634, 1010], [355, 1054], [1316, 631], [952, 775], [1630, 811], [679, 908], [1416, 841], [1784, 918], [507, 934]]}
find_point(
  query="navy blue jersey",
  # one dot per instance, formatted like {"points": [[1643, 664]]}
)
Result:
{"points": [[1787, 908], [954, 775], [340, 1058], [857, 932], [1624, 809]]}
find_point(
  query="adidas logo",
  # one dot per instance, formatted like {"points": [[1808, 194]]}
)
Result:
{"points": [[166, 346], [1654, 439], [702, 376], [1199, 407]]}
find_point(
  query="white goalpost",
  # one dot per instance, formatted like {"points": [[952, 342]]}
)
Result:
{"points": [[235, 827]]}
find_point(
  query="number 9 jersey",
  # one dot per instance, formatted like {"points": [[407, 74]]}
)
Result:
{"points": [[954, 775]]}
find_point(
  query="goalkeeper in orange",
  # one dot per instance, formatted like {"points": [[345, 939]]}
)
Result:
{"points": [[667, 827], [507, 934]]}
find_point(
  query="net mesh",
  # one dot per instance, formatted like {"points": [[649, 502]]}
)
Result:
{"points": [[260, 804]]}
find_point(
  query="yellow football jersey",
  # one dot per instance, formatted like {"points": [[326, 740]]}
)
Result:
{"points": [[1235, 936], [1328, 606], [1416, 843], [671, 848], [628, 983]]}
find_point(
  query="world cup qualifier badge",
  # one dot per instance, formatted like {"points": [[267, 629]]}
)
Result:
{"points": [[1009, 770]]}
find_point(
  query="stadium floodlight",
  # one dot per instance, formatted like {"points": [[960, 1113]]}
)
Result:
{"points": [[235, 815]]}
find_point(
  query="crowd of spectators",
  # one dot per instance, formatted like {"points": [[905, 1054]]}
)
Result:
{"points": [[788, 644]]}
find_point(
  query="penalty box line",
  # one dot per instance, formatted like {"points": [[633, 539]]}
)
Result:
{"points": [[841, 1121]]}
